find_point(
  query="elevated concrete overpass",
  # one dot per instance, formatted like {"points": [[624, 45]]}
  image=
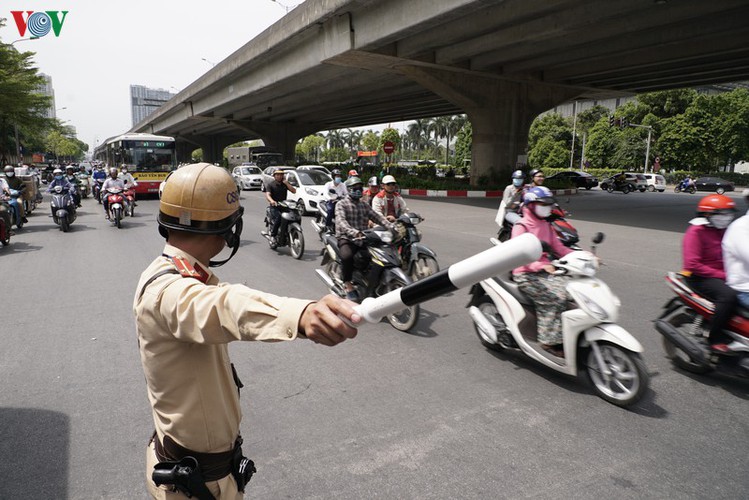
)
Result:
{"points": [[344, 63]]}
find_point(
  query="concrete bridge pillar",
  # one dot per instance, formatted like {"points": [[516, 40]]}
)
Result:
{"points": [[283, 136], [501, 112], [184, 150]]}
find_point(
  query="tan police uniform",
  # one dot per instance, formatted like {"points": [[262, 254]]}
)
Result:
{"points": [[184, 325]]}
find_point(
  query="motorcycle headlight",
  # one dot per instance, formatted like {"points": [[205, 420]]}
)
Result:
{"points": [[591, 306], [58, 189], [310, 191], [385, 236]]}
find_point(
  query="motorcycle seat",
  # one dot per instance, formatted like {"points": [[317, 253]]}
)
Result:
{"points": [[514, 290]]}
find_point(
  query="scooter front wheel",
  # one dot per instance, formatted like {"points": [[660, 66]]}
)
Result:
{"points": [[405, 319], [296, 242], [624, 378]]}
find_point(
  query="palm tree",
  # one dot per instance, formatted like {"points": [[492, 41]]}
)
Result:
{"points": [[335, 139], [418, 131]]}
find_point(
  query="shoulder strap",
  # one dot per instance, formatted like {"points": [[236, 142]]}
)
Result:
{"points": [[154, 278]]}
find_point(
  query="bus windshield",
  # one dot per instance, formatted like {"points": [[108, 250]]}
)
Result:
{"points": [[267, 159], [147, 159]]}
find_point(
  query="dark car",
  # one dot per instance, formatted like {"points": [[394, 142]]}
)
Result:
{"points": [[579, 179], [716, 184]]}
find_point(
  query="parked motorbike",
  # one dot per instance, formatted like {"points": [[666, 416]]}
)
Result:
{"points": [[289, 232], [15, 208], [685, 325], [5, 224], [418, 260], [565, 231], [63, 208], [116, 201], [96, 189], [505, 320], [686, 186], [382, 252]]}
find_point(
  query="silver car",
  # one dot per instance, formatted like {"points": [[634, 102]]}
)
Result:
{"points": [[248, 177]]}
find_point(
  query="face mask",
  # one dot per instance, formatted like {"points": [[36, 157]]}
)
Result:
{"points": [[542, 211], [356, 193], [124, 170], [10, 174], [337, 180], [58, 177], [517, 182], [720, 221]]}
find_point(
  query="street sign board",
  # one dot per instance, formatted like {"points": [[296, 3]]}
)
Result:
{"points": [[388, 147]]}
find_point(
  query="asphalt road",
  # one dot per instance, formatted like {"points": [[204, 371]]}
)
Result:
{"points": [[430, 414]]}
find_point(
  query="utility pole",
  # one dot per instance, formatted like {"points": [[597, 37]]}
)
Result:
{"points": [[574, 132], [582, 155], [647, 148]]}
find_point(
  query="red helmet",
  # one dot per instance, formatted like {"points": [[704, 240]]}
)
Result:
{"points": [[353, 173], [715, 203]]}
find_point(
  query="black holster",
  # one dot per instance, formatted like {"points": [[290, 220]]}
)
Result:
{"points": [[185, 476], [242, 468]]}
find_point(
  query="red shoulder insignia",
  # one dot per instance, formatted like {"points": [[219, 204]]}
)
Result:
{"points": [[187, 270]]}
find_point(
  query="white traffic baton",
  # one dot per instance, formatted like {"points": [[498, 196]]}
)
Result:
{"points": [[497, 260]]}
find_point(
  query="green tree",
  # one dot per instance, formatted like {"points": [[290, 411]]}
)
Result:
{"points": [[370, 140], [549, 142], [197, 155], [310, 147], [463, 144], [21, 106]]}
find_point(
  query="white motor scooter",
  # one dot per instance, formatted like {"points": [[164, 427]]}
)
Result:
{"points": [[505, 319]]}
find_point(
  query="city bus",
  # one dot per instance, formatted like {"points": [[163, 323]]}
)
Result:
{"points": [[148, 157]]}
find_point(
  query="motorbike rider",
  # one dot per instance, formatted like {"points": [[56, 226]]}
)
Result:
{"points": [[388, 201], [114, 183], [4, 193], [620, 180], [130, 182], [736, 255], [703, 263], [72, 179], [537, 178], [16, 183], [373, 187], [335, 190], [513, 197], [352, 216], [275, 193], [537, 279], [185, 318]]}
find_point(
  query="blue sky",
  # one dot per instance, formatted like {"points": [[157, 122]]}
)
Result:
{"points": [[103, 47]]}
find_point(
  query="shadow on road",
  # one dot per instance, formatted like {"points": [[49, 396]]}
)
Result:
{"points": [[423, 326], [34, 450], [732, 385], [19, 247]]}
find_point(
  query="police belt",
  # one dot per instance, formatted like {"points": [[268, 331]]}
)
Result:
{"points": [[213, 466]]}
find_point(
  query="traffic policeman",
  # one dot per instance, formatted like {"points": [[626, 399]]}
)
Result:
{"points": [[185, 317]]}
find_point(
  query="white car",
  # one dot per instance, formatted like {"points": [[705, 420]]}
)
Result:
{"points": [[309, 186], [248, 177], [655, 182]]}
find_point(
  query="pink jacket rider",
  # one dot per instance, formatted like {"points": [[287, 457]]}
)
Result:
{"points": [[542, 229]]}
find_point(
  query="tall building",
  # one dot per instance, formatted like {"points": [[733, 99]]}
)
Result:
{"points": [[145, 101], [46, 89]]}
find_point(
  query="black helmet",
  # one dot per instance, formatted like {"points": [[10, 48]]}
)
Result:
{"points": [[353, 181], [336, 172]]}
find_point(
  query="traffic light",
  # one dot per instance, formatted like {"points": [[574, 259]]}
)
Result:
{"points": [[624, 122], [611, 121]]}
